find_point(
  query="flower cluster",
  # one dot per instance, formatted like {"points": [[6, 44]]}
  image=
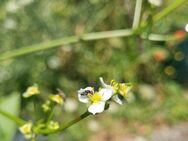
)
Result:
{"points": [[98, 99]]}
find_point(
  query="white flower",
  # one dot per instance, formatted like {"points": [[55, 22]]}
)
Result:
{"points": [[117, 91], [156, 2], [97, 99], [120, 90]]}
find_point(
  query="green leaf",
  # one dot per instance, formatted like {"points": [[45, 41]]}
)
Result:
{"points": [[11, 105]]}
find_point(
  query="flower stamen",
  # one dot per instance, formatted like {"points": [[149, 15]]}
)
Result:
{"points": [[95, 98]]}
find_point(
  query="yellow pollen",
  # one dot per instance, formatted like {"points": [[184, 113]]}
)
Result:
{"points": [[95, 98]]}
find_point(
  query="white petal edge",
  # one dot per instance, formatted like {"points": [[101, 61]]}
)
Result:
{"points": [[104, 85], [84, 98], [96, 107], [117, 99], [106, 93]]}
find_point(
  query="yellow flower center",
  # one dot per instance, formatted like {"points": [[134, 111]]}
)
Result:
{"points": [[95, 98]]}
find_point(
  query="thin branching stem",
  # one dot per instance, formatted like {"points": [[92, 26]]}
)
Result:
{"points": [[64, 41], [51, 114], [96, 35], [169, 9], [65, 126], [166, 11], [137, 14], [13, 118]]}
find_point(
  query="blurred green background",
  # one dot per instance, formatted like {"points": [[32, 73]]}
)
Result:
{"points": [[157, 70]]}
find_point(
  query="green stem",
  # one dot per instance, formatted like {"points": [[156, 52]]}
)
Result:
{"points": [[64, 41], [168, 9], [50, 115], [137, 14], [15, 119], [35, 109], [67, 125], [37, 47], [89, 36]]}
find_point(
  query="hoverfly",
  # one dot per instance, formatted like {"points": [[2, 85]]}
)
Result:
{"points": [[86, 92]]}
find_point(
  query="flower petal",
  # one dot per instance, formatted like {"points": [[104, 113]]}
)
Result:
{"points": [[106, 93], [104, 85], [32, 90], [83, 94], [119, 99], [96, 107], [57, 99]]}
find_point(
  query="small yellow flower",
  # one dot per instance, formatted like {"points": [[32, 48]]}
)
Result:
{"points": [[26, 130], [53, 125], [114, 85], [46, 106], [33, 90], [57, 98], [120, 90], [124, 89]]}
